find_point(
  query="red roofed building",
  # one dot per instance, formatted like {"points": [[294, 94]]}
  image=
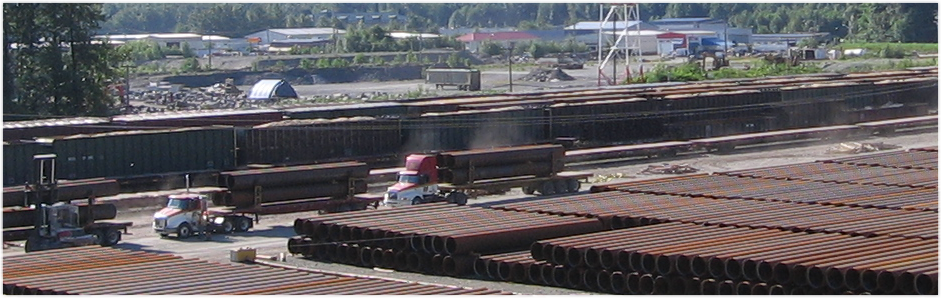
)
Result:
{"points": [[472, 41]]}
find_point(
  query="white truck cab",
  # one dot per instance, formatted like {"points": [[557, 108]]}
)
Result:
{"points": [[188, 214]]}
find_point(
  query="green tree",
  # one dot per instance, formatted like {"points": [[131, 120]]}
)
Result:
{"points": [[187, 51], [191, 65], [339, 63], [359, 59], [54, 67], [323, 63], [306, 64], [491, 48]]}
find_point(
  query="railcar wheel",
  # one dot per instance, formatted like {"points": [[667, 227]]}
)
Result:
{"points": [[547, 188]]}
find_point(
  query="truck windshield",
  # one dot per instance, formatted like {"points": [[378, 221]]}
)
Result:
{"points": [[410, 179], [179, 204]]}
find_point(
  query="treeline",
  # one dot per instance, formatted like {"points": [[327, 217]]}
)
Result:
{"points": [[51, 66], [861, 22]]}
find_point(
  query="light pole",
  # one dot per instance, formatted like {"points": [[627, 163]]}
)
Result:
{"points": [[509, 57]]}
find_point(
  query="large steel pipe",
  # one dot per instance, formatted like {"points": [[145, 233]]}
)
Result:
{"points": [[22, 217], [246, 198], [500, 156], [489, 240], [66, 190], [464, 176], [286, 176]]}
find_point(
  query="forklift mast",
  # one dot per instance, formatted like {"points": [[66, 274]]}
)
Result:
{"points": [[42, 192]]}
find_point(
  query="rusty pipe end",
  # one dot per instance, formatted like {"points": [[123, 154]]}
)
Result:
{"points": [[646, 285], [726, 287], [743, 288], [708, 287], [618, 284], [777, 289], [926, 284]]}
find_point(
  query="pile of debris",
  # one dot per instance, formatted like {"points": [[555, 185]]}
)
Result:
{"points": [[668, 169], [855, 148], [547, 75]]}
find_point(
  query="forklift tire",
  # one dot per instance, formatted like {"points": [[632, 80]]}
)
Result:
{"points": [[109, 237], [243, 224], [227, 226], [184, 231]]}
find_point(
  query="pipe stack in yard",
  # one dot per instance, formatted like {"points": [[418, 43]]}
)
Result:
{"points": [[462, 167], [109, 271], [291, 183], [429, 238], [865, 224]]}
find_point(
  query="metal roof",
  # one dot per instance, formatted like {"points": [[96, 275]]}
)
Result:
{"points": [[108, 271], [594, 25], [268, 88], [303, 31], [684, 20]]}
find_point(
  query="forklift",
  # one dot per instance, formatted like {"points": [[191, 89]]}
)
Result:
{"points": [[57, 224]]}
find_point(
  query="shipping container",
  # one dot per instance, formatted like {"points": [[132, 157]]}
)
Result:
{"points": [[139, 153], [464, 79]]}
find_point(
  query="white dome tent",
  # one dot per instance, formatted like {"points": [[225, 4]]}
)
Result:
{"points": [[267, 89]]}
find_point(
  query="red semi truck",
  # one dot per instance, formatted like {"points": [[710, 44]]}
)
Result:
{"points": [[455, 176]]}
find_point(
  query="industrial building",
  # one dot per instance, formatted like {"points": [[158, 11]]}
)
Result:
{"points": [[300, 35], [201, 45]]}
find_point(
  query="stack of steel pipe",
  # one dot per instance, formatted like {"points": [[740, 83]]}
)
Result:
{"points": [[728, 187], [292, 183], [775, 259], [912, 159], [925, 149], [67, 190], [843, 173], [461, 167], [434, 238], [622, 210], [109, 271]]}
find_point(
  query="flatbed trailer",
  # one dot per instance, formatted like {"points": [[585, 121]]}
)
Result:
{"points": [[561, 182]]}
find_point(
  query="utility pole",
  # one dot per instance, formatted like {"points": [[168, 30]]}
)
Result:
{"points": [[937, 23], [510, 59]]}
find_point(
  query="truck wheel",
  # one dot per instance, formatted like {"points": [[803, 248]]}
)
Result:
{"points": [[529, 190], [416, 201], [457, 198], [573, 185], [109, 237], [547, 188], [227, 226], [185, 231], [243, 224], [560, 186]]}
